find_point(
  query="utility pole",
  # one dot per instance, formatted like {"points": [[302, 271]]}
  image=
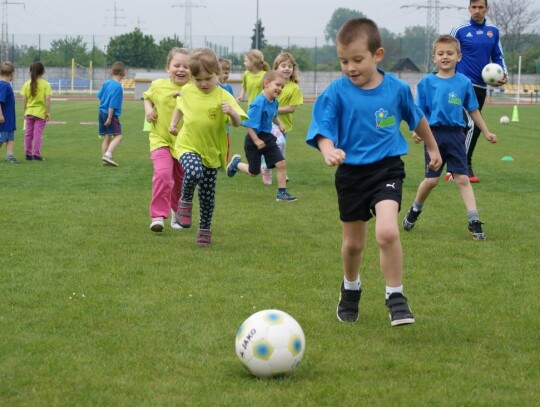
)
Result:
{"points": [[116, 17], [4, 40], [432, 24], [188, 5]]}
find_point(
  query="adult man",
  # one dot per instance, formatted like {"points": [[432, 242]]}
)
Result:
{"points": [[480, 45]]}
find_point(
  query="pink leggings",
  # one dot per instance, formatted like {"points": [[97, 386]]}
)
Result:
{"points": [[166, 183], [33, 135]]}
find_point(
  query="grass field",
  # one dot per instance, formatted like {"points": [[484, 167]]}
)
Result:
{"points": [[96, 310]]}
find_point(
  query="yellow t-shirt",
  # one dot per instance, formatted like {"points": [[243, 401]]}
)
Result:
{"points": [[35, 106], [252, 83], [160, 93], [291, 95], [205, 125]]}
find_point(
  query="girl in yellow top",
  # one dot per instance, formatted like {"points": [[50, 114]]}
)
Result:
{"points": [[290, 97], [256, 67], [36, 94], [201, 146], [159, 103]]}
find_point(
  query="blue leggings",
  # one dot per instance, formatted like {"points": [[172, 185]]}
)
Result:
{"points": [[195, 173]]}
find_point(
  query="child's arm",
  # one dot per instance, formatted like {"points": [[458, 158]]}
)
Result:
{"points": [[332, 156], [236, 120], [480, 122], [176, 117], [2, 120], [24, 102], [150, 113], [109, 117], [241, 97], [278, 123], [424, 132], [256, 140], [286, 109], [48, 108]]}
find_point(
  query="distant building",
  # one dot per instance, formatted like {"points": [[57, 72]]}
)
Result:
{"points": [[405, 65]]}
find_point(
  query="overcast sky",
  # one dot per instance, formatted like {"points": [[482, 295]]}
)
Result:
{"points": [[280, 18]]}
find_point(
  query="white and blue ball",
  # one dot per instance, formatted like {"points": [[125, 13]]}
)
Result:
{"points": [[270, 343]]}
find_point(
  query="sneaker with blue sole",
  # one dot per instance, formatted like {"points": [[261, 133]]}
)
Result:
{"points": [[232, 167]]}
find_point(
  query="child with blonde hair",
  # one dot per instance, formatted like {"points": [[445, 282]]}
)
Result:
{"points": [[36, 93], [8, 123], [256, 67], [201, 145], [159, 103], [290, 97]]}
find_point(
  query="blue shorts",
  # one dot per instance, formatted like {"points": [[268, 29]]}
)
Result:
{"points": [[114, 129], [271, 152], [361, 187], [451, 143], [7, 136]]}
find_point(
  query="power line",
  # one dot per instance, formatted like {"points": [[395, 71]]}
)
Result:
{"points": [[4, 39], [432, 23], [188, 5]]}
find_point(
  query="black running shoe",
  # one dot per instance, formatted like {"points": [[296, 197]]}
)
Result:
{"points": [[399, 311], [347, 309], [475, 229], [410, 219]]}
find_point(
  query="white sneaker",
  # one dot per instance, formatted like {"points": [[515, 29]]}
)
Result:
{"points": [[174, 221], [157, 225], [266, 175], [109, 161]]}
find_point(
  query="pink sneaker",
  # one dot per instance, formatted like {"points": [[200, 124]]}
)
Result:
{"points": [[184, 214], [204, 237], [266, 175]]}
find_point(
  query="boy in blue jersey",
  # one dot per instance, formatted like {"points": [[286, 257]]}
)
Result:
{"points": [[480, 45], [442, 96], [110, 97], [260, 142], [7, 110], [355, 125]]}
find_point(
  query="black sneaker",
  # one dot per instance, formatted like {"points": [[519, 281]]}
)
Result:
{"points": [[410, 219], [347, 309], [398, 310], [475, 229]]}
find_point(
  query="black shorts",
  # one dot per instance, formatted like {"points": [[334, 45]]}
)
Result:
{"points": [[360, 187], [271, 152], [451, 143]]}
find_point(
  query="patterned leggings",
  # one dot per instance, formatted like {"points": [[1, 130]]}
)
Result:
{"points": [[195, 173]]}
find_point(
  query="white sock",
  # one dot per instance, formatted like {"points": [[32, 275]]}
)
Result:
{"points": [[392, 290], [352, 285], [108, 154]]}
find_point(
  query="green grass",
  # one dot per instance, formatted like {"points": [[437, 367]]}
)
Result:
{"points": [[96, 310]]}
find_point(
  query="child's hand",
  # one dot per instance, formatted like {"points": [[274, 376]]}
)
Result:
{"points": [[281, 128], [2, 120], [240, 99], [151, 117], [492, 138], [416, 138], [176, 94], [226, 108], [173, 130], [435, 160], [334, 157], [260, 144]]}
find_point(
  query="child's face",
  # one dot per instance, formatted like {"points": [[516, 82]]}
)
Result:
{"points": [[359, 64], [446, 56], [272, 89], [286, 68], [178, 69], [248, 64], [225, 72], [205, 81]]}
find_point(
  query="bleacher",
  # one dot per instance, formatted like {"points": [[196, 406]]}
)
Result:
{"points": [[128, 83], [63, 84], [511, 90]]}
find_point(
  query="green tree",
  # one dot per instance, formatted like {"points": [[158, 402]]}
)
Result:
{"points": [[339, 17], [62, 51], [164, 46], [260, 42], [134, 49]]}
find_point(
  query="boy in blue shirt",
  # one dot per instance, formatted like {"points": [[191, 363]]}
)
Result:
{"points": [[7, 111], [442, 96], [260, 142], [111, 96], [355, 125]]}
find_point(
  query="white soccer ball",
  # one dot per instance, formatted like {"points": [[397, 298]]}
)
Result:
{"points": [[492, 74], [270, 343], [504, 120]]}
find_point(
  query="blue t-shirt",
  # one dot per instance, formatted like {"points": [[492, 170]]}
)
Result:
{"points": [[365, 123], [442, 99], [110, 96], [480, 45], [261, 114], [7, 100]]}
